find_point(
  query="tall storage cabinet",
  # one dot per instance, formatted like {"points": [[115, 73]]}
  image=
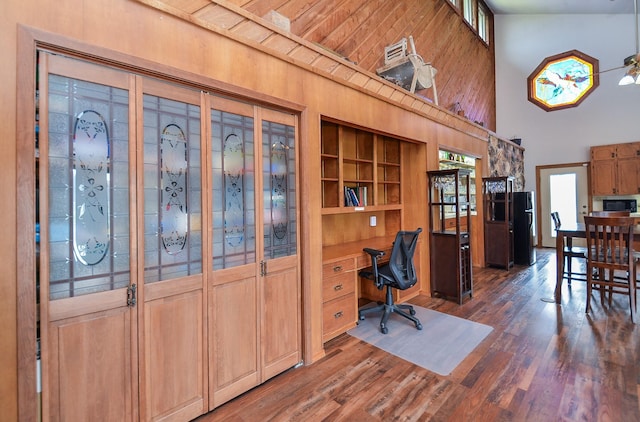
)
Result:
{"points": [[449, 200], [497, 194]]}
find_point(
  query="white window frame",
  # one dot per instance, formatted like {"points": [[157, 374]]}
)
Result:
{"points": [[483, 22], [468, 11]]}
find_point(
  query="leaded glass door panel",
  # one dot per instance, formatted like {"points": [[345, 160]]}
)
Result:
{"points": [[87, 273], [174, 346], [281, 322], [234, 294], [254, 294]]}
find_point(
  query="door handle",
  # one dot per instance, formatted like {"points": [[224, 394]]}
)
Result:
{"points": [[131, 296]]}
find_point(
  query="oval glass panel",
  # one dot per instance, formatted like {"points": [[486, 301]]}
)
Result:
{"points": [[173, 162], [234, 190], [279, 188], [91, 231]]}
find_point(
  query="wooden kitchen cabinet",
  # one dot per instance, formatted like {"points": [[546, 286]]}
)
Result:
{"points": [[615, 169]]}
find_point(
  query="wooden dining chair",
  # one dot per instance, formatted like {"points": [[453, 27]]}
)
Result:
{"points": [[569, 252], [610, 213], [610, 259]]}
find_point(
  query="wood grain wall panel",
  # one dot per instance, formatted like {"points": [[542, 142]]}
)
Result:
{"points": [[360, 29]]}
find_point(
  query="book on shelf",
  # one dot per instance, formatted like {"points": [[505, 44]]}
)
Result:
{"points": [[355, 197], [362, 195]]}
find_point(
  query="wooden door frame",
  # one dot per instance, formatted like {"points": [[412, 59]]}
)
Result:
{"points": [[26, 250], [539, 195]]}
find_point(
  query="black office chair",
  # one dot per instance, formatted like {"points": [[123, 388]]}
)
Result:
{"points": [[398, 273]]}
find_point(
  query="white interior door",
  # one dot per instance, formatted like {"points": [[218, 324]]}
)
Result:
{"points": [[564, 189]]}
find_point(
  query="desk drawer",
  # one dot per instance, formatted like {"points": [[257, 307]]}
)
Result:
{"points": [[339, 315], [343, 284], [337, 267]]}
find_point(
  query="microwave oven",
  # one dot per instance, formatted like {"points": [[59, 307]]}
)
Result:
{"points": [[620, 205]]}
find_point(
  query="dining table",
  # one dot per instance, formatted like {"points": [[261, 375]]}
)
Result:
{"points": [[564, 232]]}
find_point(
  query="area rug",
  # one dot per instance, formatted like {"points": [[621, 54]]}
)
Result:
{"points": [[440, 346]]}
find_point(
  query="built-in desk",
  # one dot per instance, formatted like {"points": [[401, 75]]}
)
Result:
{"points": [[342, 287]]}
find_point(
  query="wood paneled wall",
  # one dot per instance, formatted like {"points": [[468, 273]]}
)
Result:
{"points": [[360, 29]]}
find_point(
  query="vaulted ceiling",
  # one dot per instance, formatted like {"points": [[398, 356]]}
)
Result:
{"points": [[358, 30]]}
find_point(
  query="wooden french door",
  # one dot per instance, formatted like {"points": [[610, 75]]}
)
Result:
{"points": [[169, 264], [115, 238], [88, 269], [172, 347], [254, 292], [281, 296]]}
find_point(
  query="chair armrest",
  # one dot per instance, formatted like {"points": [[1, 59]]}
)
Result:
{"points": [[375, 253], [373, 273]]}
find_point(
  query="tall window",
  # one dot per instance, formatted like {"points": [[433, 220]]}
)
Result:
{"points": [[468, 11], [483, 23]]}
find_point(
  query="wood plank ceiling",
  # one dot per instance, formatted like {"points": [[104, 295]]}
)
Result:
{"points": [[358, 31]]}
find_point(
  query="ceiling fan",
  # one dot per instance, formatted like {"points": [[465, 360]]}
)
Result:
{"points": [[632, 76]]}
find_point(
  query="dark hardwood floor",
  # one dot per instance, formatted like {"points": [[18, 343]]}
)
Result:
{"points": [[542, 362]]}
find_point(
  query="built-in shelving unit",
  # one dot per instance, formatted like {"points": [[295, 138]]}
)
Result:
{"points": [[362, 206], [361, 170]]}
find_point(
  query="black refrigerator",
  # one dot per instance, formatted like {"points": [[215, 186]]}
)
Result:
{"points": [[524, 227]]}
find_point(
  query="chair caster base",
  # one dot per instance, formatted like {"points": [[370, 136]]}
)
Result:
{"points": [[419, 326], [384, 330]]}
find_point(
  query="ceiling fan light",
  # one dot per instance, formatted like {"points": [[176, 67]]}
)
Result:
{"points": [[626, 80]]}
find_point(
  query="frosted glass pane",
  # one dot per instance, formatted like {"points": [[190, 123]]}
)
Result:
{"points": [[172, 189], [278, 155], [88, 219], [233, 200]]}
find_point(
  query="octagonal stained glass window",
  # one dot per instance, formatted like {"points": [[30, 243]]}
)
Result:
{"points": [[563, 80]]}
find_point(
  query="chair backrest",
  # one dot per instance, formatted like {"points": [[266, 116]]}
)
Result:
{"points": [[611, 213], [401, 261], [556, 219], [610, 241]]}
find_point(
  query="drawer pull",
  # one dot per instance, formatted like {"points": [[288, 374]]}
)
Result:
{"points": [[337, 268], [337, 287], [337, 315]]}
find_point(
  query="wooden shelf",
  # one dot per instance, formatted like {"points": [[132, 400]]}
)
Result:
{"points": [[367, 162], [372, 208]]}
